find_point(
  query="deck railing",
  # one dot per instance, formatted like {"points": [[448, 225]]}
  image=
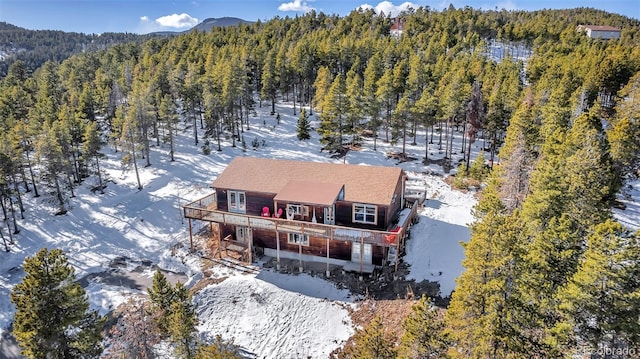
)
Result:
{"points": [[205, 209]]}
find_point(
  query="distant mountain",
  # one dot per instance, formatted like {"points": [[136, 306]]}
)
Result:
{"points": [[210, 23]]}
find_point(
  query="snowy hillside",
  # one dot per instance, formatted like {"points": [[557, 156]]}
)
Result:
{"points": [[268, 314]]}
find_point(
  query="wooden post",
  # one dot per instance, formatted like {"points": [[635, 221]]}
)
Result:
{"points": [[361, 250], [250, 240], [300, 250], [397, 249], [190, 237], [328, 273], [277, 248]]}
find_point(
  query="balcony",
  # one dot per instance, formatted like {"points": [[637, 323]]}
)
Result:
{"points": [[205, 209]]}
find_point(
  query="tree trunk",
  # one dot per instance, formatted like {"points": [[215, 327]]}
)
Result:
{"points": [[19, 197], [440, 136], [464, 136], [135, 163], [16, 230], [99, 175], [33, 180], [195, 129], [468, 153], [294, 99], [171, 148], [426, 149], [59, 195], [73, 195]]}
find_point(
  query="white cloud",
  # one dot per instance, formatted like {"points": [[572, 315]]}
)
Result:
{"points": [[389, 9], [177, 21], [295, 5], [144, 18]]}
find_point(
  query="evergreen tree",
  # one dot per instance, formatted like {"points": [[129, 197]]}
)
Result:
{"points": [[182, 323], [477, 170], [624, 134], [162, 296], [52, 317], [371, 342], [333, 116], [218, 350], [322, 84], [91, 148], [475, 118], [49, 155], [304, 127], [423, 332], [169, 117], [601, 302], [354, 107], [385, 93], [371, 101], [482, 320]]}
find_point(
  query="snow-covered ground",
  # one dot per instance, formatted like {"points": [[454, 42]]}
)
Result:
{"points": [[268, 314]]}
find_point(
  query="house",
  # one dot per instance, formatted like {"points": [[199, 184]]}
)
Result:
{"points": [[355, 216], [600, 32], [397, 27]]}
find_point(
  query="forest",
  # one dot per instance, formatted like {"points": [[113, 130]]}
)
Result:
{"points": [[548, 271], [35, 47]]}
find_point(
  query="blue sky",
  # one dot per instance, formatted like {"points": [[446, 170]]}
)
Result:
{"points": [[143, 16]]}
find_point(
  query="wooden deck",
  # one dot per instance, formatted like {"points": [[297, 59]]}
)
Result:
{"points": [[204, 209]]}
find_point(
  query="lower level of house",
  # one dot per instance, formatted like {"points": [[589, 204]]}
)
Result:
{"points": [[352, 255]]}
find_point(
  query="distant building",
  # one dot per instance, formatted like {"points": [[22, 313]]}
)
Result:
{"points": [[600, 32], [397, 28]]}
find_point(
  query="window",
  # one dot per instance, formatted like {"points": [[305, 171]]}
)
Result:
{"points": [[297, 238], [297, 210], [237, 202], [293, 209], [365, 213], [329, 217]]}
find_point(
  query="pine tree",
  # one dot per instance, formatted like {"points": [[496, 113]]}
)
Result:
{"points": [[371, 342], [477, 170], [169, 116], [475, 118], [52, 317], [162, 296], [371, 101], [483, 320], [49, 155], [182, 323], [354, 107], [386, 95], [219, 349], [333, 116], [423, 332], [322, 84], [601, 302], [91, 148], [304, 127]]}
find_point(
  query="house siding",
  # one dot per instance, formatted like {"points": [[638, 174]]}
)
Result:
{"points": [[387, 214], [317, 246]]}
